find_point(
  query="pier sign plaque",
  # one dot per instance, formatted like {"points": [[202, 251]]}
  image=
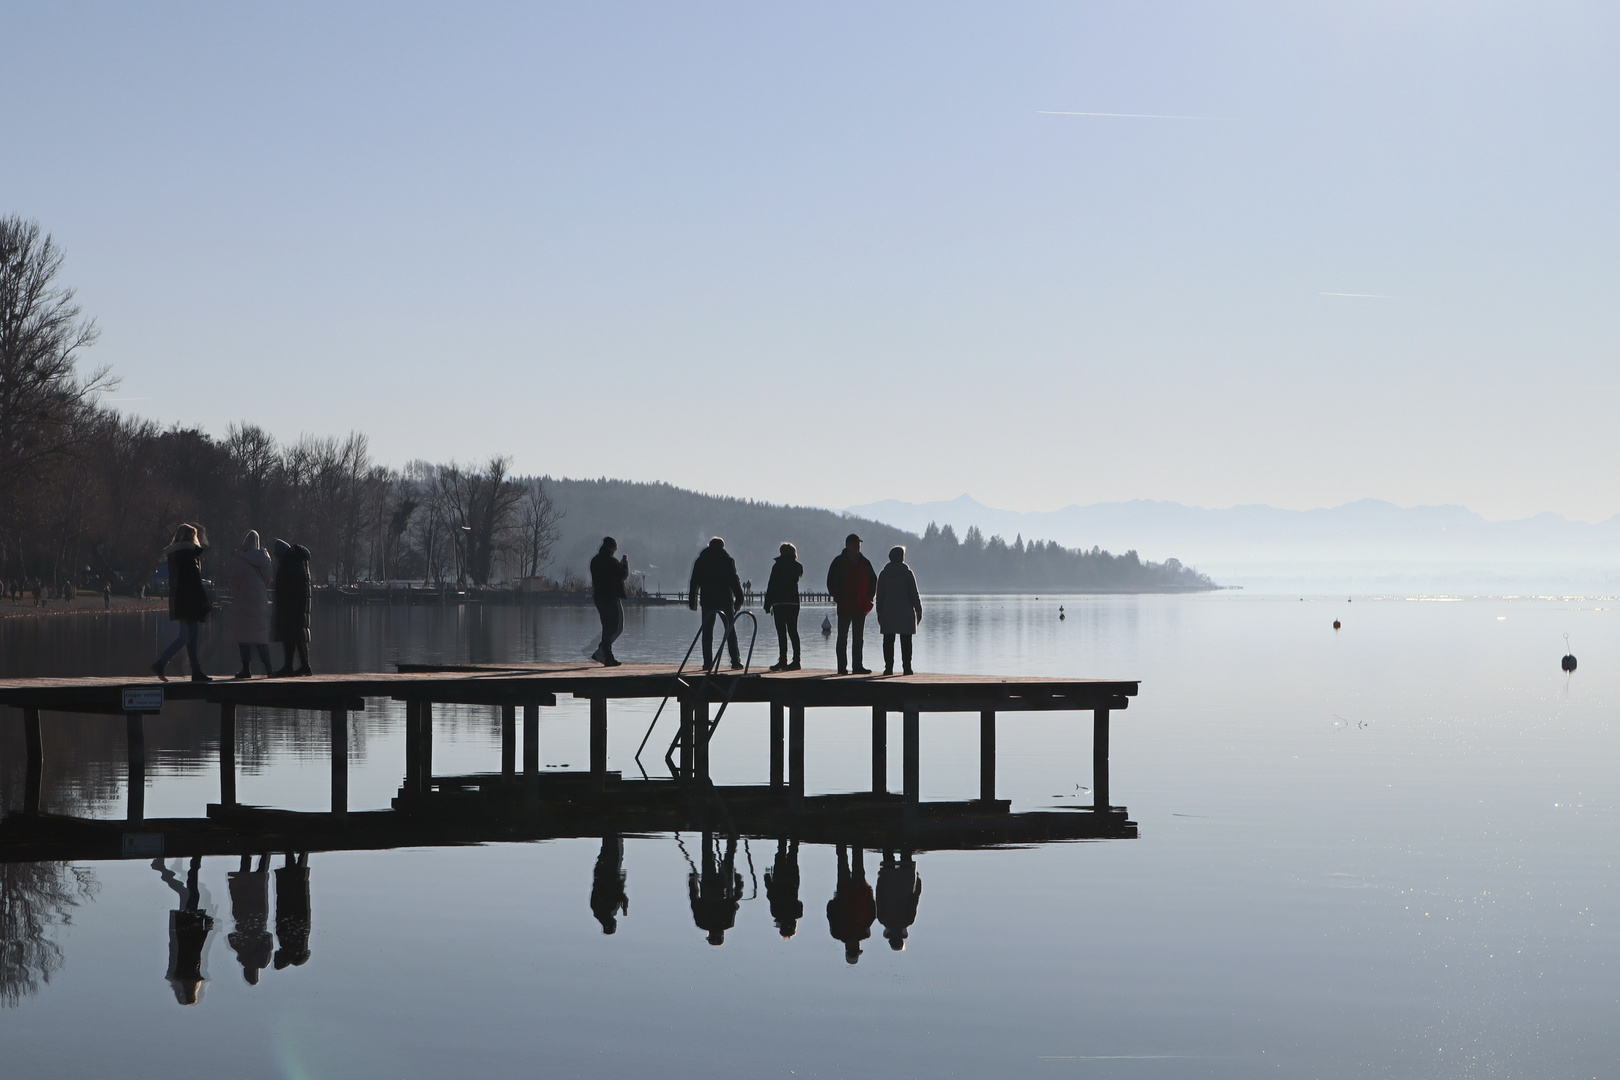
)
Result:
{"points": [[141, 844], [143, 699]]}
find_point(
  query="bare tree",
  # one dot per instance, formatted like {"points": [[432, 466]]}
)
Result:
{"points": [[539, 526]]}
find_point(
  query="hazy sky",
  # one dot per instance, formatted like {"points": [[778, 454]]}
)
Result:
{"points": [[835, 253]]}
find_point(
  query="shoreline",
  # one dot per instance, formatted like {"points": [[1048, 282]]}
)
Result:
{"points": [[81, 605]]}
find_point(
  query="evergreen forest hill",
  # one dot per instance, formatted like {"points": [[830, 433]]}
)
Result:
{"points": [[662, 528]]}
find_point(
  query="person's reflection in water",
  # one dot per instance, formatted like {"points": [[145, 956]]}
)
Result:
{"points": [[189, 926], [782, 888], [849, 912], [608, 898], [716, 893], [292, 912], [898, 889], [250, 911]]}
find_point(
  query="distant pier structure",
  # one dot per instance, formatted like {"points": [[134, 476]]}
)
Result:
{"points": [[521, 801]]}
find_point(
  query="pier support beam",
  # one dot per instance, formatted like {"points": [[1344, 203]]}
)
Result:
{"points": [[340, 762], [508, 743], [911, 786], [685, 759], [700, 739], [135, 736], [796, 753], [1099, 760], [987, 756], [531, 755], [880, 750], [599, 721], [36, 760], [413, 747], [424, 747], [227, 753], [777, 734]]}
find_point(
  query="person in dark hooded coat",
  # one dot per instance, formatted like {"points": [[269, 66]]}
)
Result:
{"points": [[782, 601], [294, 591]]}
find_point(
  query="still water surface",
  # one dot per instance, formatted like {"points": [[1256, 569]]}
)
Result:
{"points": [[1385, 850]]}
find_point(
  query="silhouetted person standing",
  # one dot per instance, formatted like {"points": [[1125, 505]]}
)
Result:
{"points": [[247, 620], [250, 911], [188, 600], [715, 588], [716, 893], [898, 889], [782, 602], [189, 927], [782, 888], [607, 589], [849, 912], [608, 898], [292, 912], [852, 583], [295, 591], [899, 608]]}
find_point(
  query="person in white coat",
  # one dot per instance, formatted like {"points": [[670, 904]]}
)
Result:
{"points": [[247, 620], [899, 608]]}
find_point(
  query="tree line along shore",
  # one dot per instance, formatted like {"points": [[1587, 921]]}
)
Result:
{"points": [[91, 496]]}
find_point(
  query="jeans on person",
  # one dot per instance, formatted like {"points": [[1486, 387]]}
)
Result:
{"points": [[787, 628], [888, 653], [611, 611], [728, 622], [850, 626], [245, 650], [187, 637]]}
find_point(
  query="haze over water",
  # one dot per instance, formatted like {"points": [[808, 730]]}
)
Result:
{"points": [[1387, 849]]}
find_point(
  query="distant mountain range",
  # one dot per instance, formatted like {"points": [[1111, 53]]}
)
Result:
{"points": [[1364, 545]]}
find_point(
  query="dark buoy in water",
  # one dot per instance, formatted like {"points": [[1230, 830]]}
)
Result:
{"points": [[1061, 616], [1568, 663], [1335, 624], [826, 625]]}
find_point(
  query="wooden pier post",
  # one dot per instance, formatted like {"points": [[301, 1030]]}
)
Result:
{"points": [[508, 743], [700, 739], [880, 750], [685, 761], [340, 762], [987, 756], [36, 761], [424, 745], [413, 748], [911, 783], [776, 744], [135, 737], [796, 753], [227, 753], [599, 732], [1099, 760], [531, 755]]}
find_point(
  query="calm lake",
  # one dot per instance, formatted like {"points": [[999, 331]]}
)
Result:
{"points": [[1384, 850]]}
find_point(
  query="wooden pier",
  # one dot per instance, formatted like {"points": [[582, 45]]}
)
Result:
{"points": [[521, 802]]}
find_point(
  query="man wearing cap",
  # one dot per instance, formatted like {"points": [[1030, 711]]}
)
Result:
{"points": [[852, 582], [607, 589], [716, 589]]}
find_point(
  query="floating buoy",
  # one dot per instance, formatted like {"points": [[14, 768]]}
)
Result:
{"points": [[1061, 616], [826, 624], [1335, 624], [1569, 657]]}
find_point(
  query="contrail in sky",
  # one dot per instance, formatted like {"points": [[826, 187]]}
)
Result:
{"points": [[1126, 115]]}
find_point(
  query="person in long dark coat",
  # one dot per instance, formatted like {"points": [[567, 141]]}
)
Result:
{"points": [[294, 591], [292, 912], [782, 888], [608, 897], [899, 887], [853, 583], [188, 600], [782, 602], [250, 911], [849, 912], [189, 927], [899, 608], [716, 589]]}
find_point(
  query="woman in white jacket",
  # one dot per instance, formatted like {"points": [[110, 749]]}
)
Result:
{"points": [[247, 620]]}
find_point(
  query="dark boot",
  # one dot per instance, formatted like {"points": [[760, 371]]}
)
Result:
{"points": [[157, 669]]}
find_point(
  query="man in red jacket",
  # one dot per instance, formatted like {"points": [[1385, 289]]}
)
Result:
{"points": [[852, 583]]}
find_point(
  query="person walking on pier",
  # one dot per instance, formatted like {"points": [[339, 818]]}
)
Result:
{"points": [[250, 911], [294, 592], [716, 589], [849, 912], [782, 601], [607, 588], [852, 583], [189, 927], [782, 888], [247, 620], [188, 600], [899, 608], [898, 889], [608, 897]]}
